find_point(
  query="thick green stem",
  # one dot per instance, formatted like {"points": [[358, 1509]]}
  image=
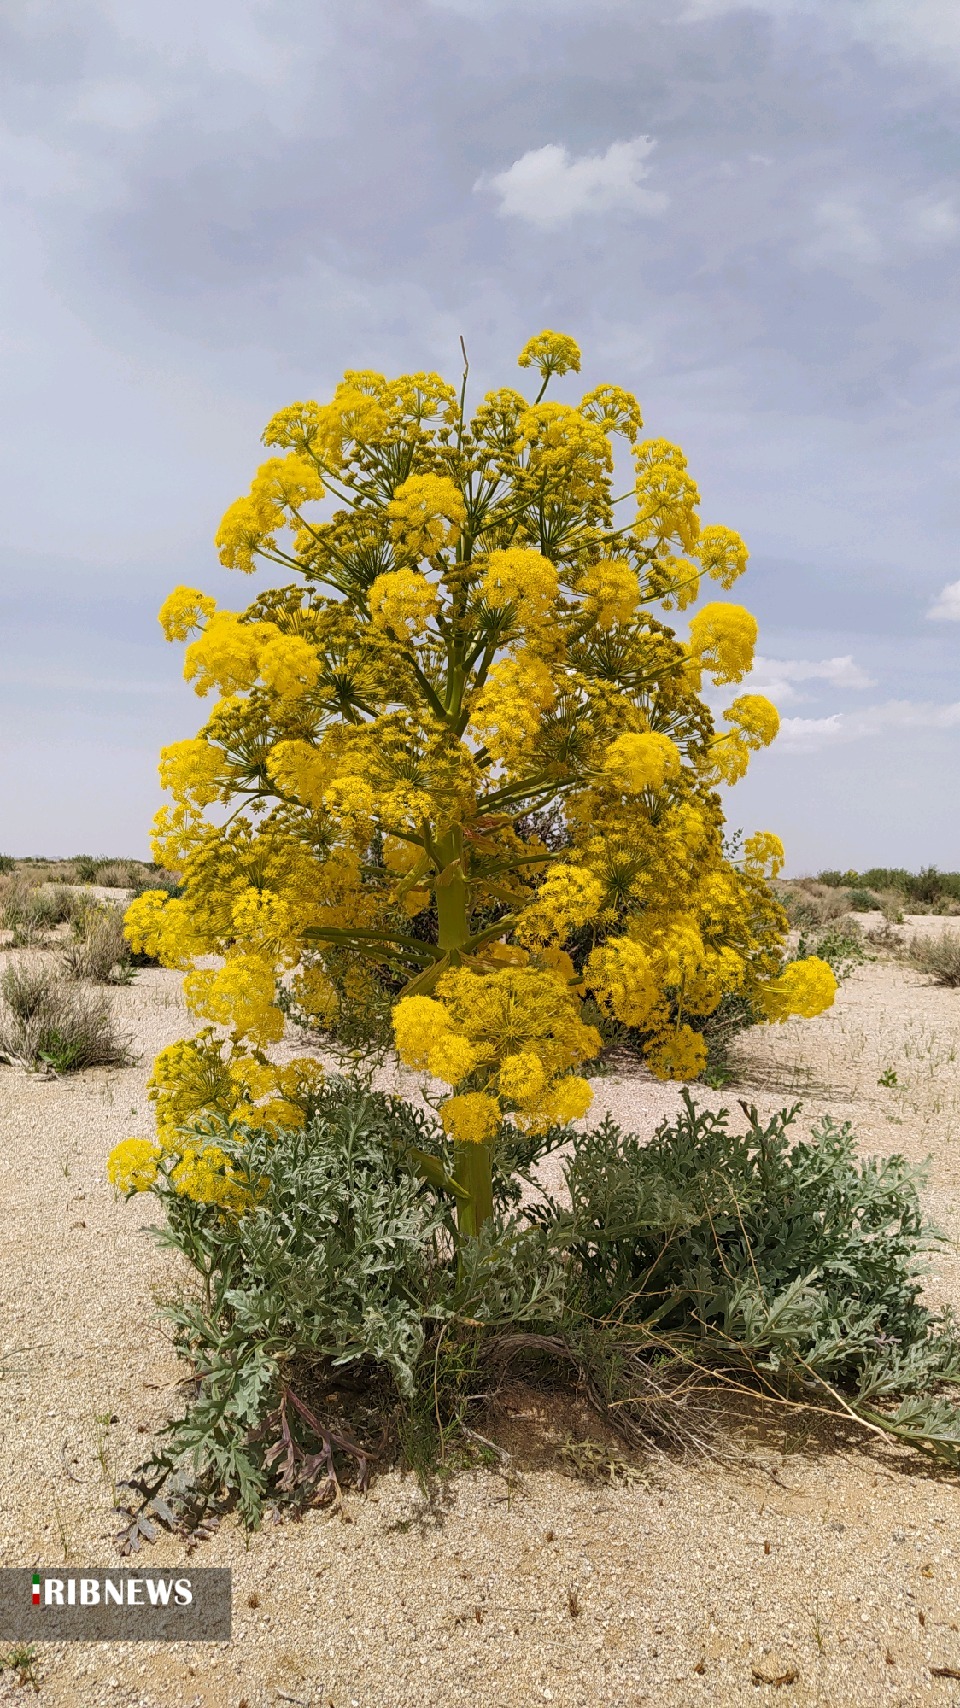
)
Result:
{"points": [[473, 1164], [451, 891], [473, 1170]]}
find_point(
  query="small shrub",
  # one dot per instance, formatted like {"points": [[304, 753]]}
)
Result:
{"points": [[100, 951], [939, 956], [864, 901], [7, 863], [811, 904], [843, 947], [45, 1022], [118, 875], [839, 880], [86, 868]]}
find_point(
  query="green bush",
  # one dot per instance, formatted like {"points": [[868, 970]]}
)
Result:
{"points": [[45, 1022], [344, 1261], [791, 1254], [86, 868], [864, 901], [939, 956], [841, 946], [792, 1263], [7, 863]]}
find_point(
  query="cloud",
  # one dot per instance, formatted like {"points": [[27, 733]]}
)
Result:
{"points": [[923, 30], [811, 733], [946, 607], [777, 677], [842, 672], [548, 186]]}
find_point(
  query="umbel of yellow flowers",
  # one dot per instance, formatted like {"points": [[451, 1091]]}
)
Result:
{"points": [[469, 636]]}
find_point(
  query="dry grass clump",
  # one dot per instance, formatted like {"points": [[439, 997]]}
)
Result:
{"points": [[30, 910], [939, 956], [99, 951], [46, 1022], [809, 903]]}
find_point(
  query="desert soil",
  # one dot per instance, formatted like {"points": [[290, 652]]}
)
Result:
{"points": [[831, 1569]]}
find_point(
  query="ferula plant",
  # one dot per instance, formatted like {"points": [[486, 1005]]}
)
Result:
{"points": [[469, 636]]}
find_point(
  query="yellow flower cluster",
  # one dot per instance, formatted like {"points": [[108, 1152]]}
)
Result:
{"points": [[615, 410], [183, 611], [508, 712], [281, 486], [426, 513], [722, 640], [208, 1176], [805, 988], [133, 1165], [240, 995], [227, 655], [763, 854], [524, 580], [403, 601], [518, 1029], [569, 896], [289, 667], [722, 554], [667, 498], [193, 771], [644, 761], [472, 1118], [756, 722], [301, 772], [193, 1079], [611, 592], [680, 1054], [552, 353]]}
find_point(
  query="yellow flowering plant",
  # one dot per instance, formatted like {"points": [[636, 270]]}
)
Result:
{"points": [[470, 636]]}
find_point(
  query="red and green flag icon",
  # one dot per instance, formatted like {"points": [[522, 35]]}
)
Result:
{"points": [[35, 1598]]}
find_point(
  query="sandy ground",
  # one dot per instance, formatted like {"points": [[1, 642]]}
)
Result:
{"points": [[835, 1571]]}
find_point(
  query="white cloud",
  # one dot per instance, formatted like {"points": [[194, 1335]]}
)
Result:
{"points": [[548, 186], [842, 672], [777, 677], [946, 607], [811, 733]]}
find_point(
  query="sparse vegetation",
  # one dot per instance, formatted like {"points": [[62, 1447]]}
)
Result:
{"points": [[30, 911], [926, 891], [46, 1022], [99, 950]]}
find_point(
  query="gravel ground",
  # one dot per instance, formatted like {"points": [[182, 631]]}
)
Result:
{"points": [[832, 1570]]}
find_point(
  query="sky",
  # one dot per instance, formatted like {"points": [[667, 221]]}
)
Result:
{"points": [[748, 214]]}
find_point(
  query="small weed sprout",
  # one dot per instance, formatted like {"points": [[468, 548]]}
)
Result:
{"points": [[22, 1659]]}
